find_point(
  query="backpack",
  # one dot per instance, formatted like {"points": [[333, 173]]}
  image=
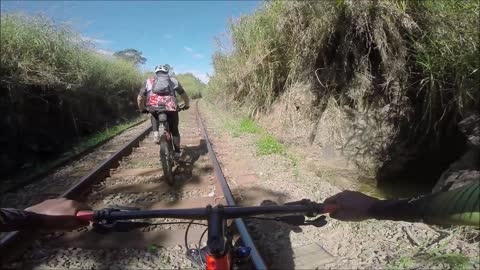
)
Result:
{"points": [[162, 86]]}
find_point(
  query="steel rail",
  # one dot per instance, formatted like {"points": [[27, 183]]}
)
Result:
{"points": [[242, 228]]}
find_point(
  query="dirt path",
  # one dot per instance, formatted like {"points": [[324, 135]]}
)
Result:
{"points": [[369, 244]]}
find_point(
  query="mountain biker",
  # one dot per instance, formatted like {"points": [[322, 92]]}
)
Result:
{"points": [[159, 95], [54, 214], [459, 206]]}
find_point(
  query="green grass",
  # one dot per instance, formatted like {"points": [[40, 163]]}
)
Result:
{"points": [[265, 144], [67, 61], [152, 249], [417, 257], [50, 71], [402, 263], [101, 137], [248, 125], [238, 127], [268, 145], [454, 260]]}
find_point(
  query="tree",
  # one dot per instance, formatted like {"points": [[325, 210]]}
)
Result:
{"points": [[131, 55]]}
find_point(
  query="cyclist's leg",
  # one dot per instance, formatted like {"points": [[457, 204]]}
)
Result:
{"points": [[154, 120], [173, 124], [155, 126]]}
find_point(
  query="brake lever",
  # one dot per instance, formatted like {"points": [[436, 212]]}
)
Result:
{"points": [[294, 220], [299, 220], [318, 222], [314, 209], [118, 226]]}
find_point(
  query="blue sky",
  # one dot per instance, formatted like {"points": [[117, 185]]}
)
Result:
{"points": [[180, 33]]}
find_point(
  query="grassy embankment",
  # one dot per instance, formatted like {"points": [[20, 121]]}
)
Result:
{"points": [[56, 89], [388, 80], [193, 86]]}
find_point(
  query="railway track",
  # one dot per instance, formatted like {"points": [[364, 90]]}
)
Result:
{"points": [[132, 177]]}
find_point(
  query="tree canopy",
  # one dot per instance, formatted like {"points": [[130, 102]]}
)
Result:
{"points": [[131, 55]]}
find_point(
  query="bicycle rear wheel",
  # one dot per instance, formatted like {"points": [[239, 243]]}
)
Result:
{"points": [[166, 159]]}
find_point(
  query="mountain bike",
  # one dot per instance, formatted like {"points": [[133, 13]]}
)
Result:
{"points": [[167, 158], [220, 251]]}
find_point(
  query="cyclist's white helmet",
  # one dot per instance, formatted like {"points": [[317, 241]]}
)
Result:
{"points": [[162, 68]]}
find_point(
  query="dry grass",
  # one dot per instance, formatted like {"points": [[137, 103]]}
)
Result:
{"points": [[397, 71]]}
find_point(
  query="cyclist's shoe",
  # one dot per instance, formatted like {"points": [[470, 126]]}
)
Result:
{"points": [[177, 155], [156, 137]]}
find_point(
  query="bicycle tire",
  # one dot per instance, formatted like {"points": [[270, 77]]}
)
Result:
{"points": [[166, 160]]}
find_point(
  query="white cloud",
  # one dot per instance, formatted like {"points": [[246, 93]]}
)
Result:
{"points": [[203, 77], [194, 54], [167, 36], [104, 52], [95, 40]]}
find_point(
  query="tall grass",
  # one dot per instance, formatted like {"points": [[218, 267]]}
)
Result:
{"points": [[396, 68], [446, 61], [55, 88], [37, 51]]}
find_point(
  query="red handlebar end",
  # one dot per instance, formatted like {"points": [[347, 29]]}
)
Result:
{"points": [[85, 215], [330, 208]]}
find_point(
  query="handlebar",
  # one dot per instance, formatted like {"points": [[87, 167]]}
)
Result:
{"points": [[107, 220], [180, 108], [305, 207]]}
